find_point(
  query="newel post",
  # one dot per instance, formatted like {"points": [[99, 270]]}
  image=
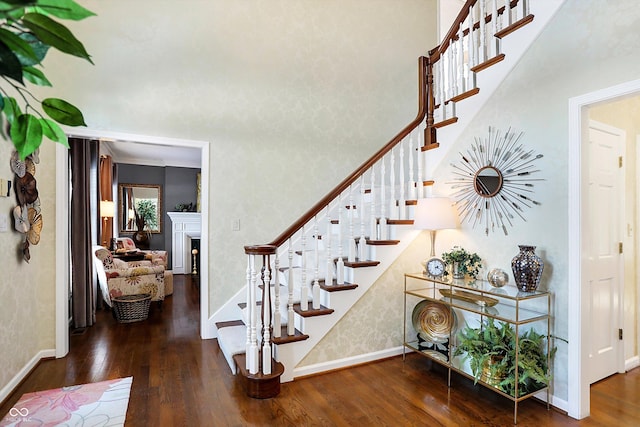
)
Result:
{"points": [[254, 351]]}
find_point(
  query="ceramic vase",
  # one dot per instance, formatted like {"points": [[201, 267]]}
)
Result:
{"points": [[527, 268]]}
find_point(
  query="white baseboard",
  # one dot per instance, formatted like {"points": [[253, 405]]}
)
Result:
{"points": [[346, 362], [22, 374], [631, 363]]}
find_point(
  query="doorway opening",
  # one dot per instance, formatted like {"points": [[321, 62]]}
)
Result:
{"points": [[578, 354], [62, 227]]}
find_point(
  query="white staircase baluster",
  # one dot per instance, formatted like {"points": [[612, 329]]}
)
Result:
{"points": [[372, 219], [460, 51], [328, 277], [420, 180], [277, 316], [247, 349], [495, 42], [412, 182], [290, 313], [253, 320], [401, 201], [304, 287], [362, 242], [352, 236], [393, 202], [266, 317], [382, 223], [315, 291], [483, 40], [470, 40], [340, 261], [450, 74]]}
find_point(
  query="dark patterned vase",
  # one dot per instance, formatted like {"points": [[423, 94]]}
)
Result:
{"points": [[527, 268]]}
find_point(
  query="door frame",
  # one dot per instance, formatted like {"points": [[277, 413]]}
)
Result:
{"points": [[62, 260], [578, 384]]}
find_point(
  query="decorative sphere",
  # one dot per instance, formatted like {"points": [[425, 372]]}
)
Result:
{"points": [[497, 277]]}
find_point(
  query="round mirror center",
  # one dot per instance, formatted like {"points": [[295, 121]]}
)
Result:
{"points": [[488, 181]]}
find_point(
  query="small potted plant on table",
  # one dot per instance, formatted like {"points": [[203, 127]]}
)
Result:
{"points": [[462, 263]]}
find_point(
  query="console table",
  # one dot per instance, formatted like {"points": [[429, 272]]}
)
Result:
{"points": [[462, 301]]}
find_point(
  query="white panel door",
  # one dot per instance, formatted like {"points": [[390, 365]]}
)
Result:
{"points": [[605, 273]]}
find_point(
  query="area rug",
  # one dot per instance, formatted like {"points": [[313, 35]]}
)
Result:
{"points": [[95, 404]]}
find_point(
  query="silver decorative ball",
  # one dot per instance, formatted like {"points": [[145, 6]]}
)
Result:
{"points": [[497, 277]]}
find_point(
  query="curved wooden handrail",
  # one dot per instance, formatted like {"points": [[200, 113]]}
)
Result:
{"points": [[422, 109]]}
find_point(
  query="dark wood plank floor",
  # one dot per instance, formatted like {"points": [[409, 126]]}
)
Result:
{"points": [[180, 380]]}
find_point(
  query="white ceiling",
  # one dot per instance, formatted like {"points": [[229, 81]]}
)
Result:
{"points": [[139, 153]]}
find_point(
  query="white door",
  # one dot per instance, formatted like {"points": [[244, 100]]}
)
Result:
{"points": [[604, 215]]}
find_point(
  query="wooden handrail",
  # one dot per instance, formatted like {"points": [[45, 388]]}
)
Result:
{"points": [[422, 65]]}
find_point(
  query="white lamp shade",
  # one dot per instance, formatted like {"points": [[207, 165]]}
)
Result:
{"points": [[107, 209], [435, 213]]}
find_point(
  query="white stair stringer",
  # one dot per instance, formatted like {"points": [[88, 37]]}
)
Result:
{"points": [[317, 327], [514, 47]]}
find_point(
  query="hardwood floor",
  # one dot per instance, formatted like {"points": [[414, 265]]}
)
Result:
{"points": [[180, 380]]}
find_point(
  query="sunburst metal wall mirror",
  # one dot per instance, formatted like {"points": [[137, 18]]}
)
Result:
{"points": [[493, 182]]}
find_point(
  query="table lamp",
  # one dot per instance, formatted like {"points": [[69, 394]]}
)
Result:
{"points": [[107, 210], [433, 214]]}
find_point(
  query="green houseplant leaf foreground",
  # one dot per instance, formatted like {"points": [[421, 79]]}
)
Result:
{"points": [[491, 351], [28, 29]]}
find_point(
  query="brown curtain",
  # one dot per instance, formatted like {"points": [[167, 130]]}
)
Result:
{"points": [[106, 184], [84, 163]]}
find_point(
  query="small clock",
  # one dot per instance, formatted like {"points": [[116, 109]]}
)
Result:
{"points": [[435, 268]]}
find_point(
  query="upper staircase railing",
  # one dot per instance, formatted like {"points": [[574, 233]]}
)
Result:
{"points": [[313, 252]]}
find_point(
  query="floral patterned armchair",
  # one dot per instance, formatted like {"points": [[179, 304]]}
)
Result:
{"points": [[155, 256], [117, 277]]}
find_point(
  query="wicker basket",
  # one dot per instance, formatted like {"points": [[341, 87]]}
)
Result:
{"points": [[131, 308]]}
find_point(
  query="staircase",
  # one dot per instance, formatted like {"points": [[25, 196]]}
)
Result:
{"points": [[320, 266]]}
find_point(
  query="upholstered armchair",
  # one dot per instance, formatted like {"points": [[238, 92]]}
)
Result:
{"points": [[156, 257], [117, 277]]}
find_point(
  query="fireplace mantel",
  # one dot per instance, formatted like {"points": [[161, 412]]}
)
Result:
{"points": [[184, 227]]}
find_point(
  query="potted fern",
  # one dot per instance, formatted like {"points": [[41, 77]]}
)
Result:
{"points": [[491, 351], [462, 263]]}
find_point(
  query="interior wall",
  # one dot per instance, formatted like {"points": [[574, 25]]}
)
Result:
{"points": [[625, 114], [27, 290]]}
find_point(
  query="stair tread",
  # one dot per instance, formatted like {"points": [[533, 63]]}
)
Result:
{"points": [[465, 95], [515, 26], [311, 312], [382, 242], [488, 63], [229, 323], [357, 263], [400, 221], [334, 287], [445, 122], [285, 339]]}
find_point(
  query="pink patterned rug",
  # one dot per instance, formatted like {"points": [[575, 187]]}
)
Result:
{"points": [[95, 404]]}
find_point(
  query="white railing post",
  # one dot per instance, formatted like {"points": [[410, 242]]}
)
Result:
{"points": [[362, 242], [420, 180], [495, 45], [470, 40], [328, 276], [340, 261], [315, 291], [304, 287], [252, 355], [266, 316], [382, 223], [372, 220], [290, 313], [483, 40], [412, 182], [393, 202], [277, 316], [247, 349], [352, 236], [401, 200]]}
